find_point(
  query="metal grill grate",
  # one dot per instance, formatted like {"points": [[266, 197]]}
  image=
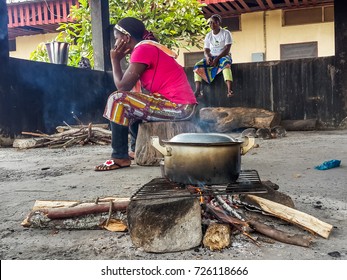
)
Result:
{"points": [[160, 188]]}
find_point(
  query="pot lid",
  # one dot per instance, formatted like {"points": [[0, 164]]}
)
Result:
{"points": [[203, 138]]}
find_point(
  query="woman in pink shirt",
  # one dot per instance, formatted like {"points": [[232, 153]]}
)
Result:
{"points": [[153, 67]]}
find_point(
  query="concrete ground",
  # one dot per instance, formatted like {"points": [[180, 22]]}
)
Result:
{"points": [[57, 174]]}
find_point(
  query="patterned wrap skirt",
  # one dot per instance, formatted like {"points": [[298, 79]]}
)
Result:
{"points": [[208, 73], [125, 106]]}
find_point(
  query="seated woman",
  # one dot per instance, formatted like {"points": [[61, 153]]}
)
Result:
{"points": [[217, 59], [170, 96]]}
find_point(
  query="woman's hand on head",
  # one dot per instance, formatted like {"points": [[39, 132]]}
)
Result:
{"points": [[120, 50]]}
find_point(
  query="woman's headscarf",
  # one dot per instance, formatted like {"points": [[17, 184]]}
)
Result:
{"points": [[134, 28]]}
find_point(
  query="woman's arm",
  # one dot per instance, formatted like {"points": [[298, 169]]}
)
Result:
{"points": [[225, 52], [208, 56], [131, 75]]}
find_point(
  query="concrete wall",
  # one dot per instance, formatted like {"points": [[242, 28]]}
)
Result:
{"points": [[37, 96]]}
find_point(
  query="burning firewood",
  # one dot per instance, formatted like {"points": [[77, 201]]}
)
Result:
{"points": [[217, 236], [247, 225], [296, 239], [242, 226], [67, 136], [229, 209]]}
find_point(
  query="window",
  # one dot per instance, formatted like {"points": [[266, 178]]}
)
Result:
{"points": [[299, 50], [191, 58], [232, 23], [309, 15], [329, 14]]}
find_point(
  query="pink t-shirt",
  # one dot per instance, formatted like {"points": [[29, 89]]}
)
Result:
{"points": [[163, 74]]}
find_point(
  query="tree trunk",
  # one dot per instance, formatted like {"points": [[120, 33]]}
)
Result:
{"points": [[222, 119], [299, 125], [145, 154]]}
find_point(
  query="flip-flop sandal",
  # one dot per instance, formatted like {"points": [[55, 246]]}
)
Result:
{"points": [[109, 165], [230, 93], [200, 94]]}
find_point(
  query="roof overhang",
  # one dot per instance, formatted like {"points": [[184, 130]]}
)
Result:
{"points": [[21, 22], [237, 7]]}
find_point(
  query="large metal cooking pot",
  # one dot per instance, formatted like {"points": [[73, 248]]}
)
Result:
{"points": [[202, 158]]}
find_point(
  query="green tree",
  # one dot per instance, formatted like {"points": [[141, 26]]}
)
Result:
{"points": [[176, 23]]}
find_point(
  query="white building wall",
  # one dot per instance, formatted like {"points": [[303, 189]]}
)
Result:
{"points": [[25, 45], [257, 26]]}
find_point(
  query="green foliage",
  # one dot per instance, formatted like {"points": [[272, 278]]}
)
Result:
{"points": [[176, 23], [78, 33], [40, 54]]}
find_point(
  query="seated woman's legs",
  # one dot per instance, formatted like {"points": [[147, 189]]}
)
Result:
{"points": [[197, 80], [119, 156], [133, 130], [119, 141], [228, 78], [125, 106]]}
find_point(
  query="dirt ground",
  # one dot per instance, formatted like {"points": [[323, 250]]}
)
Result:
{"points": [[57, 174]]}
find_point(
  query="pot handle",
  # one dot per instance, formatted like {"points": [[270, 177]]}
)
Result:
{"points": [[247, 144], [166, 151]]}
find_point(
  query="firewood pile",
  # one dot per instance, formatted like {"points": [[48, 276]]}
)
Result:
{"points": [[67, 136], [256, 213], [240, 216]]}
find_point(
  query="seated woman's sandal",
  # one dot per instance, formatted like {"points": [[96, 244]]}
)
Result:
{"points": [[109, 165]]}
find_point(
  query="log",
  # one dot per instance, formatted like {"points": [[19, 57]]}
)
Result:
{"points": [[299, 125], [221, 215], [243, 227], [27, 143], [222, 119], [145, 154], [296, 239], [217, 236], [62, 213], [60, 209], [73, 214], [293, 216], [38, 219]]}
